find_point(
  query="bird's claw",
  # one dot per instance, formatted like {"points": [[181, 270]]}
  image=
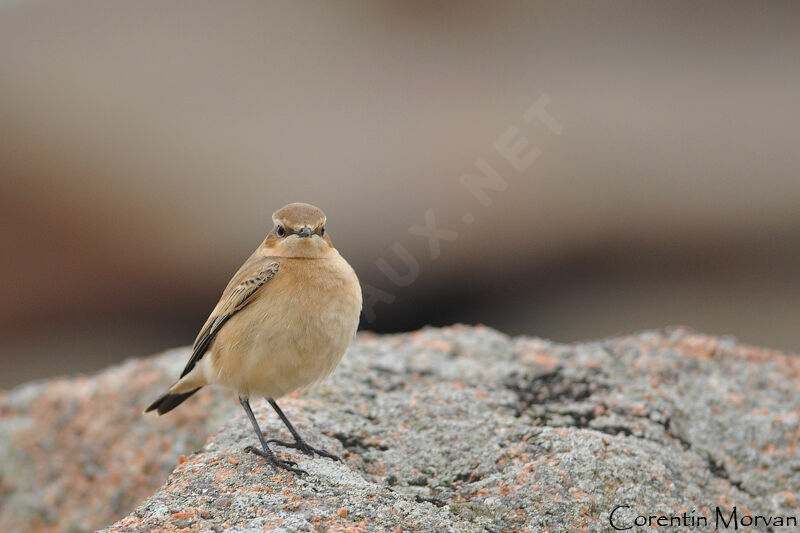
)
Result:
{"points": [[303, 447], [274, 461]]}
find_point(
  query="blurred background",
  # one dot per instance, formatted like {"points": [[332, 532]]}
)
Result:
{"points": [[144, 146]]}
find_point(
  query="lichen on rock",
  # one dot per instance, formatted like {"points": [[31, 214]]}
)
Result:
{"points": [[454, 429]]}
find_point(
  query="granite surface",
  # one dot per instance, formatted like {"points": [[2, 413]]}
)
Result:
{"points": [[454, 429]]}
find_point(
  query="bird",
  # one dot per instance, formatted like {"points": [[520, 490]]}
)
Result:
{"points": [[282, 324]]}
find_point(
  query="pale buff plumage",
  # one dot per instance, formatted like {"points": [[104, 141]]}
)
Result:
{"points": [[301, 324], [293, 333], [283, 322]]}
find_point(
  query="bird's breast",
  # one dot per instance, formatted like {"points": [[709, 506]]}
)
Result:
{"points": [[297, 330]]}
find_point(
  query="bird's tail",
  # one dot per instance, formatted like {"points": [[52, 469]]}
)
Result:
{"points": [[169, 401]]}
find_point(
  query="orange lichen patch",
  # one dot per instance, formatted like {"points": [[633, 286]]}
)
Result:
{"points": [[698, 346], [441, 345], [545, 360], [222, 475]]}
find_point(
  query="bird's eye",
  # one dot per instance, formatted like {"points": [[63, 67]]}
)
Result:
{"points": [[281, 231], [322, 231]]}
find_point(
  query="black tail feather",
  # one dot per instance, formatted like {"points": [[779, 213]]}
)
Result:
{"points": [[168, 402]]}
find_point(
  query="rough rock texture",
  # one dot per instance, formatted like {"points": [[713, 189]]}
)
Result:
{"points": [[76, 453], [456, 429]]}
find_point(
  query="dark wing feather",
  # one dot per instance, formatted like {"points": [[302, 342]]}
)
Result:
{"points": [[251, 277]]}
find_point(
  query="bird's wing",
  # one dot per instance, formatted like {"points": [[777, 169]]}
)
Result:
{"points": [[240, 291]]}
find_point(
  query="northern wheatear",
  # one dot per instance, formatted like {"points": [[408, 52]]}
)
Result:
{"points": [[283, 323]]}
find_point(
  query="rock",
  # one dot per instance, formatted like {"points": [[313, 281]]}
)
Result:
{"points": [[455, 429], [77, 454]]}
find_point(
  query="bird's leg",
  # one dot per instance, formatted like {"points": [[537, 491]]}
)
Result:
{"points": [[299, 443], [265, 452]]}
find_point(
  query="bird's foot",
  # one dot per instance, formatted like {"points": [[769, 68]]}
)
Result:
{"points": [[304, 447], [274, 461]]}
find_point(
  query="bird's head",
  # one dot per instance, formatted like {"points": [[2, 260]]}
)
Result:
{"points": [[299, 231]]}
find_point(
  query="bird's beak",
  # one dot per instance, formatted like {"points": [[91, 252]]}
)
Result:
{"points": [[305, 232]]}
